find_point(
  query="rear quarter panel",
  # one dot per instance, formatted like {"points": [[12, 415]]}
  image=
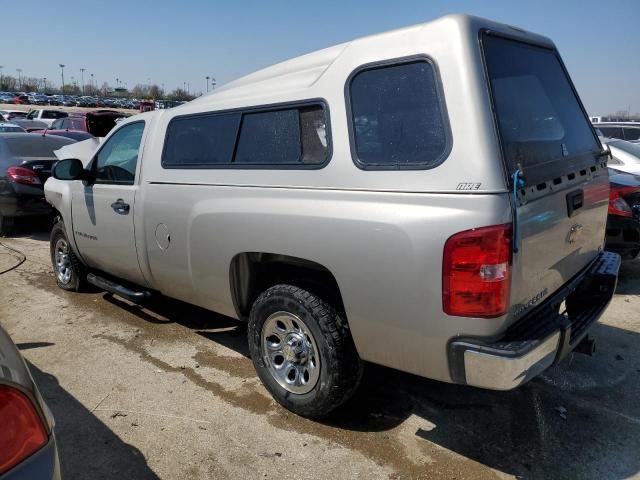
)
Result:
{"points": [[384, 249]]}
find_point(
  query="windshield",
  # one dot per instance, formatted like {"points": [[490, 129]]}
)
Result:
{"points": [[539, 116]]}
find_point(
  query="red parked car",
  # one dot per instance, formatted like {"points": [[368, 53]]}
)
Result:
{"points": [[623, 222], [21, 100]]}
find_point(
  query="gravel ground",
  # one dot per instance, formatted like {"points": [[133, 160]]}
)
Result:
{"points": [[168, 391]]}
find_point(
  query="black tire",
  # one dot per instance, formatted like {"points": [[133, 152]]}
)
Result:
{"points": [[6, 225], [78, 273], [340, 366]]}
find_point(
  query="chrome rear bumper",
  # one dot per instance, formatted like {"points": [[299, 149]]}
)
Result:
{"points": [[541, 338]]}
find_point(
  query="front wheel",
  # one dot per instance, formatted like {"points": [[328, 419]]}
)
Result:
{"points": [[303, 351], [69, 271]]}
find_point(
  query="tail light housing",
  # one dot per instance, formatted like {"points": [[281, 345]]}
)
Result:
{"points": [[617, 204], [22, 432], [476, 272], [22, 175]]}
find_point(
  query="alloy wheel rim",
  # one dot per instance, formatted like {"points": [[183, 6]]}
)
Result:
{"points": [[290, 352], [62, 261]]}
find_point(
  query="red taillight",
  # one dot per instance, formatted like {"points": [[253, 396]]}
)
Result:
{"points": [[617, 204], [22, 175], [476, 272], [22, 432]]}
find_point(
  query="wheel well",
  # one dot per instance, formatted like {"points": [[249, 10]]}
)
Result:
{"points": [[252, 273]]}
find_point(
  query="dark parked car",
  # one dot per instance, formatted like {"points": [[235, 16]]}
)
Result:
{"points": [[77, 135], [27, 441], [29, 125], [10, 128], [25, 164], [623, 222]]}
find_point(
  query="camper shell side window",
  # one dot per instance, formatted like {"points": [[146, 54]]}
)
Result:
{"points": [[284, 136], [397, 115]]}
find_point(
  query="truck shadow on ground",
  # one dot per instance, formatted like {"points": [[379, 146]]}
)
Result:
{"points": [[218, 328], [628, 283], [34, 227], [580, 419], [87, 447]]}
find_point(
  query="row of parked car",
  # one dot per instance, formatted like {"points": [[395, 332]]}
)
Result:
{"points": [[90, 101], [76, 125]]}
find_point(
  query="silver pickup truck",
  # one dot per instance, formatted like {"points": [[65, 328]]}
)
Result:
{"points": [[432, 199]]}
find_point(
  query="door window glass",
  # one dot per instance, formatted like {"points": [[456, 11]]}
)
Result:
{"points": [[116, 161]]}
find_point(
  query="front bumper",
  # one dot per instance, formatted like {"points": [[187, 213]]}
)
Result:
{"points": [[541, 338]]}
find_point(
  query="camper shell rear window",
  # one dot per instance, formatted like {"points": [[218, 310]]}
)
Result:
{"points": [[542, 125]]}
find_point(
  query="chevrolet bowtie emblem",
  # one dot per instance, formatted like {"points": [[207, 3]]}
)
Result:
{"points": [[574, 233]]}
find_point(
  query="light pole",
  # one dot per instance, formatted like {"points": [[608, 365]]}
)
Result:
{"points": [[62, 75], [82, 79], [91, 83], [19, 70], [207, 78]]}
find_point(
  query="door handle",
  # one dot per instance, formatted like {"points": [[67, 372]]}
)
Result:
{"points": [[120, 207]]}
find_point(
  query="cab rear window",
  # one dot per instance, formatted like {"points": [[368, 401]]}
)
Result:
{"points": [[538, 114]]}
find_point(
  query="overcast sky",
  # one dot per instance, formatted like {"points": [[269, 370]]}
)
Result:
{"points": [[172, 42]]}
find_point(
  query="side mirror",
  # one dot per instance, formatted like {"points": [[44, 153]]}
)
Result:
{"points": [[69, 169]]}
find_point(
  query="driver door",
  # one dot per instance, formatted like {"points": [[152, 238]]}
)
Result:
{"points": [[103, 212]]}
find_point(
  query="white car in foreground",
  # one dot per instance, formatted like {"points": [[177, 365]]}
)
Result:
{"points": [[625, 156]]}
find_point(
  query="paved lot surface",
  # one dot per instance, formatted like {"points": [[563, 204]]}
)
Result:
{"points": [[169, 392]]}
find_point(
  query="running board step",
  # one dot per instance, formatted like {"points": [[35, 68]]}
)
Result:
{"points": [[135, 296]]}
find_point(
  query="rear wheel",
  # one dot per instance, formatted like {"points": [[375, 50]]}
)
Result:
{"points": [[303, 351], [69, 271]]}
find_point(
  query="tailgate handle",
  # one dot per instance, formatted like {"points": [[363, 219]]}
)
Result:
{"points": [[575, 200]]}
